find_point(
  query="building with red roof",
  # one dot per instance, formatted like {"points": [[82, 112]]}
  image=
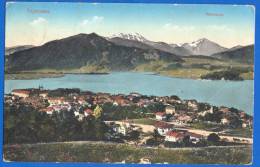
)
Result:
{"points": [[173, 136], [21, 92], [160, 116], [88, 112], [163, 127], [178, 136]]}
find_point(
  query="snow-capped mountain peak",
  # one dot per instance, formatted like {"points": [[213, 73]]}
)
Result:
{"points": [[197, 43], [204, 46], [130, 36]]}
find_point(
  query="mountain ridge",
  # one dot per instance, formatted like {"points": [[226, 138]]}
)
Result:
{"points": [[243, 54], [84, 50], [111, 54]]}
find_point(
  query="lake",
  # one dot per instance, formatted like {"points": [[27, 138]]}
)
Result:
{"points": [[238, 94]]}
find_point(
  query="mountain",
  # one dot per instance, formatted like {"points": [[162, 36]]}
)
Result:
{"points": [[137, 40], [204, 47], [178, 50], [129, 43], [241, 54], [235, 47], [130, 36], [84, 50], [10, 50]]}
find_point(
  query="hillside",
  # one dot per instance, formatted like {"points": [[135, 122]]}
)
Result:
{"points": [[10, 50], [241, 54], [84, 50]]}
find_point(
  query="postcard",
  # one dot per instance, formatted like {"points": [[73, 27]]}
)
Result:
{"points": [[129, 83]]}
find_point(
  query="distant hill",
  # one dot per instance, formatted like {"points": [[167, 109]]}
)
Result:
{"points": [[240, 54], [84, 50], [10, 50]]}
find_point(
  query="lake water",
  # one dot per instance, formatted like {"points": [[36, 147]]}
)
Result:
{"points": [[238, 94]]}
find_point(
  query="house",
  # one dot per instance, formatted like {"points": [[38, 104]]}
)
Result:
{"points": [[59, 107], [178, 136], [174, 136], [56, 108], [184, 119], [76, 113], [121, 129], [193, 104], [21, 93], [225, 121], [80, 117], [144, 102], [194, 138], [135, 94], [160, 116], [56, 100], [88, 112], [244, 125], [242, 114], [49, 110], [203, 113], [66, 106], [82, 101], [170, 110], [43, 94], [162, 128], [145, 161], [247, 123], [224, 110]]}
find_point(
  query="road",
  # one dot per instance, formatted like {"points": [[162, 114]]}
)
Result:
{"points": [[150, 128]]}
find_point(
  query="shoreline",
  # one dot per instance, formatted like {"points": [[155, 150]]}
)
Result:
{"points": [[181, 98], [39, 75]]}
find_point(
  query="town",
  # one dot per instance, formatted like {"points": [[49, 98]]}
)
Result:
{"points": [[136, 119]]}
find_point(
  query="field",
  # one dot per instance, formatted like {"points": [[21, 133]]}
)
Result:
{"points": [[118, 153], [193, 67]]}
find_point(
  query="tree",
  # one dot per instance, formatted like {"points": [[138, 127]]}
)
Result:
{"points": [[98, 112], [156, 134], [186, 140], [88, 128], [100, 129], [134, 135], [213, 137]]}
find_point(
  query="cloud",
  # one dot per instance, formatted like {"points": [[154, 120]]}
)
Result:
{"points": [[97, 18], [91, 21], [187, 28], [173, 27], [39, 21], [219, 28], [84, 22]]}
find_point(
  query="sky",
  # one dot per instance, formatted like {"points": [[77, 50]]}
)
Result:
{"points": [[35, 23]]}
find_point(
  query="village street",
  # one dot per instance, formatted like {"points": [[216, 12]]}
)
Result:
{"points": [[150, 129]]}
